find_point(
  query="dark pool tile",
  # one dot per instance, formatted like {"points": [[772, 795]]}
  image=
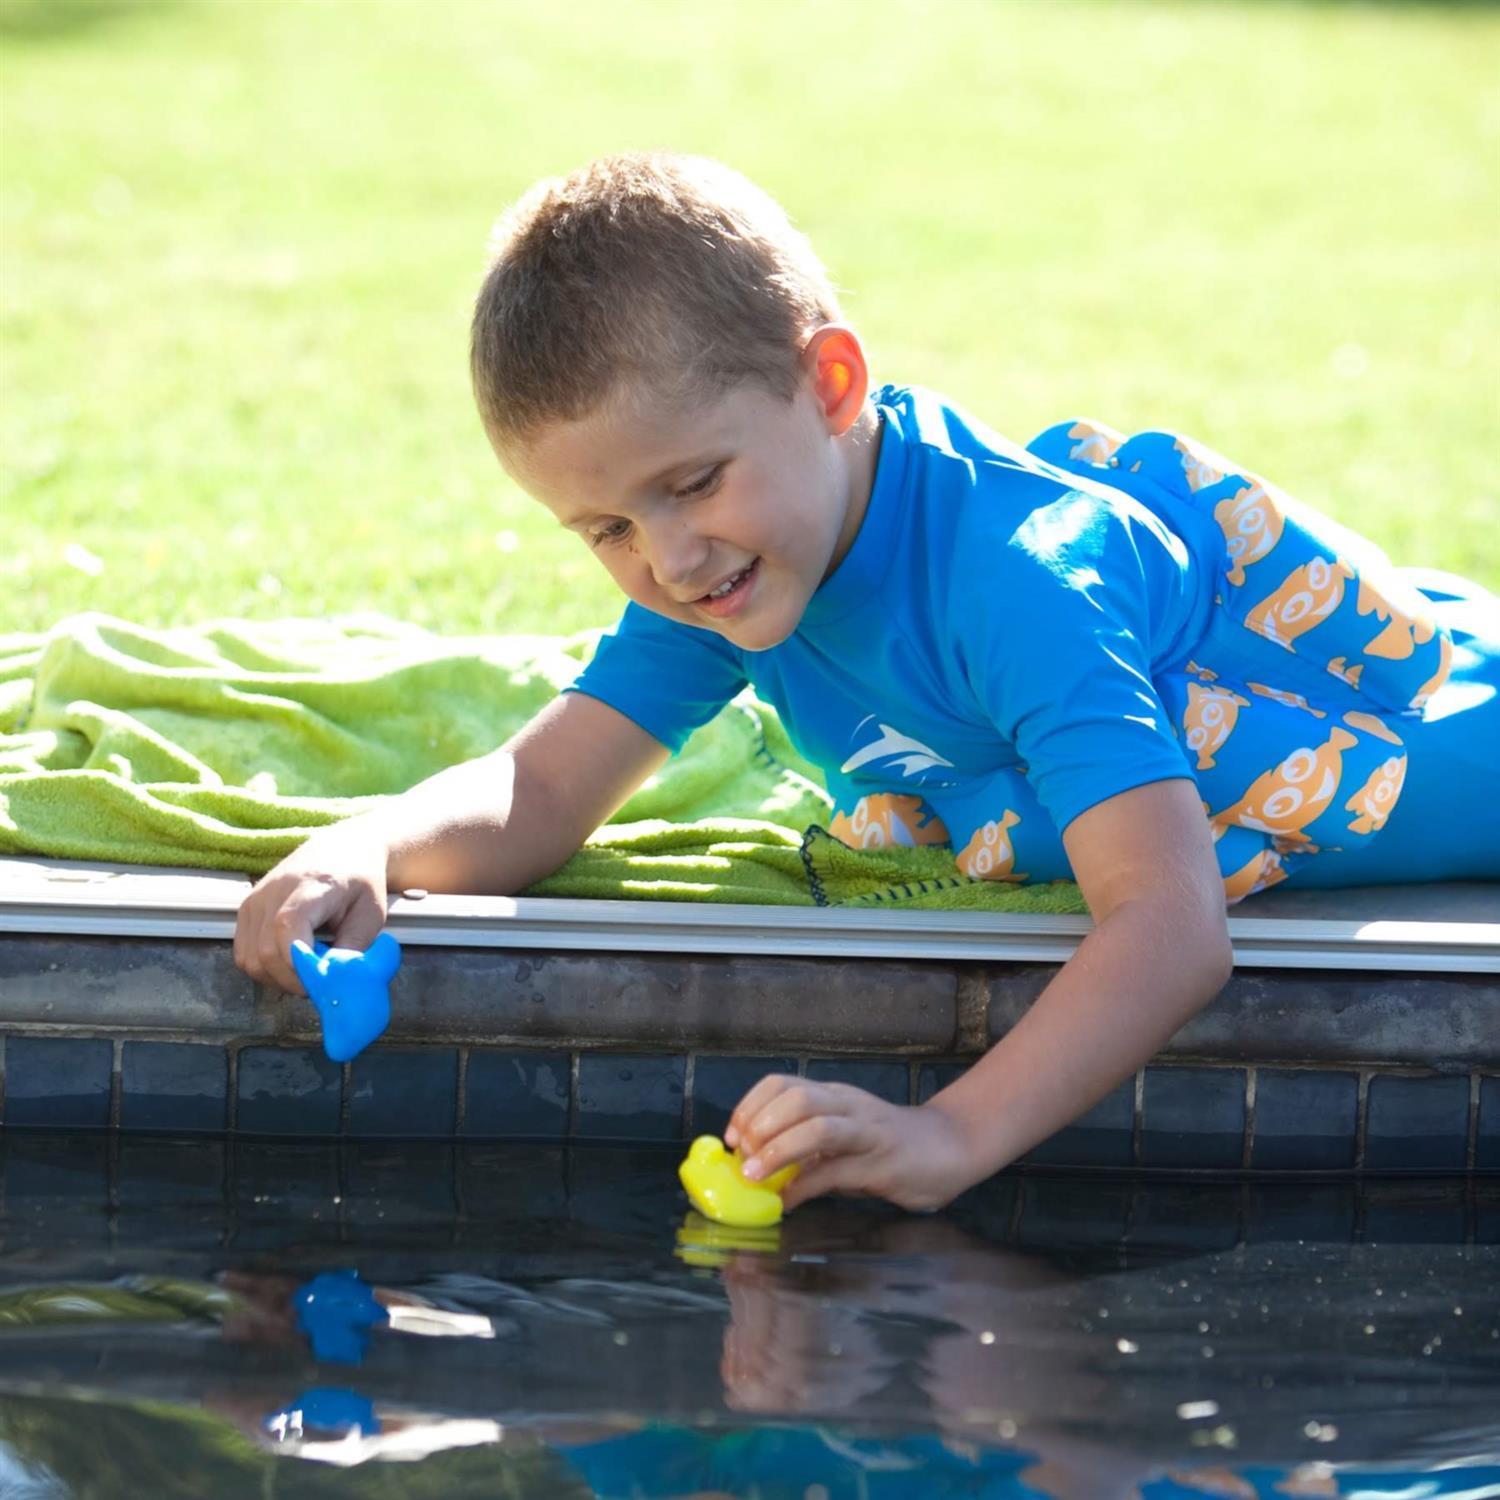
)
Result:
{"points": [[1319, 1214], [1305, 1119], [291, 1176], [1187, 1217], [510, 1181], [173, 1086], [933, 1078], [404, 1091], [182, 1183], [288, 1091], [1058, 1212], [1487, 1156], [886, 1080], [1417, 1124], [1103, 1137], [516, 1094], [61, 1082], [630, 1096], [719, 1083], [1487, 1211], [1193, 1117], [618, 1191], [1414, 1211], [396, 1183], [55, 1171]]}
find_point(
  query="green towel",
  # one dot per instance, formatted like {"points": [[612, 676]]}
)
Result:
{"points": [[223, 746]]}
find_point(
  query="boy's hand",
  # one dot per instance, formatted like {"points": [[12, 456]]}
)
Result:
{"points": [[849, 1141], [337, 879]]}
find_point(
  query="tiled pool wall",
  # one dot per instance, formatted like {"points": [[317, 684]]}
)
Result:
{"points": [[1287, 1070], [240, 1192]]}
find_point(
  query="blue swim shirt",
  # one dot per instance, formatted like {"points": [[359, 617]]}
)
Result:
{"points": [[993, 612]]}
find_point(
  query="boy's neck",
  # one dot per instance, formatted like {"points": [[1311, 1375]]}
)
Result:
{"points": [[862, 453]]}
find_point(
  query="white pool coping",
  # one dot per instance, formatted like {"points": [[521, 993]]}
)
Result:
{"points": [[1433, 929]]}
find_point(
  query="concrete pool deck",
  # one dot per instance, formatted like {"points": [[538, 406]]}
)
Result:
{"points": [[1359, 1033]]}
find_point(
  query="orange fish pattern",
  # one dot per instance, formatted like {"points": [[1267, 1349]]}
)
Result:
{"points": [[1404, 632], [1306, 598], [1093, 442], [1264, 868], [990, 855], [1285, 799], [1375, 799], [888, 820], [1210, 719], [1252, 525], [1201, 466]]}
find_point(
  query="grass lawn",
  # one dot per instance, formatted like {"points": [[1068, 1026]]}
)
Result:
{"points": [[241, 239]]}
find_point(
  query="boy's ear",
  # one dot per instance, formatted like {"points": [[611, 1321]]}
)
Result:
{"points": [[834, 364]]}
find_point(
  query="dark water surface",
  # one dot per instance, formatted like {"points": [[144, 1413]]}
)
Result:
{"points": [[553, 1323]]}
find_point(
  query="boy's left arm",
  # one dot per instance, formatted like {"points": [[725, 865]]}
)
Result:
{"points": [[1159, 951]]}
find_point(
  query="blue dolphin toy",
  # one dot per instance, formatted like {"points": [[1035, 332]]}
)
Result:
{"points": [[331, 1408], [335, 1310], [351, 991]]}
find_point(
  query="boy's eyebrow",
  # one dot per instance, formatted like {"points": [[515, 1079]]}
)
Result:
{"points": [[708, 456]]}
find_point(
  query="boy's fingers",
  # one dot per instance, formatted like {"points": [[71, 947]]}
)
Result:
{"points": [[820, 1135], [801, 1101], [753, 1102], [362, 923]]}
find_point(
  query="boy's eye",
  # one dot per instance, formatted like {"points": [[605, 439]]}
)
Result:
{"points": [[698, 486], [609, 534]]}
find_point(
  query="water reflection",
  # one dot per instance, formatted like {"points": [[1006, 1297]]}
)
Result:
{"points": [[505, 1316]]}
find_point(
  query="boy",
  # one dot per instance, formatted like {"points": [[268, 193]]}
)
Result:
{"points": [[1054, 660]]}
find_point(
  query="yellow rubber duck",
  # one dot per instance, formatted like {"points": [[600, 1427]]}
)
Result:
{"points": [[714, 1181], [700, 1242]]}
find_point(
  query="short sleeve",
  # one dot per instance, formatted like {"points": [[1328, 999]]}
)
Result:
{"points": [[1059, 655], [668, 678]]}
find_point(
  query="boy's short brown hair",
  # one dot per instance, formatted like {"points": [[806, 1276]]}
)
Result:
{"points": [[651, 269]]}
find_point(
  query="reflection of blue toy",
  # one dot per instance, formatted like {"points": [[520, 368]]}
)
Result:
{"points": [[351, 991], [334, 1310], [330, 1408]]}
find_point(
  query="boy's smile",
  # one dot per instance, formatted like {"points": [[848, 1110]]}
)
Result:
{"points": [[749, 498]]}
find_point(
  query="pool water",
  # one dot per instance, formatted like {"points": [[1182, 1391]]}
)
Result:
{"points": [[214, 1319]]}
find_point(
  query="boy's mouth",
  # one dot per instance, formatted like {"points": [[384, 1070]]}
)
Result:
{"points": [[733, 598]]}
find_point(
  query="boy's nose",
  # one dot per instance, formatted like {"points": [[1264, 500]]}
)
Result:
{"points": [[679, 561]]}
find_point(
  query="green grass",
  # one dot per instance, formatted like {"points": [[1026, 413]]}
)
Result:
{"points": [[241, 240]]}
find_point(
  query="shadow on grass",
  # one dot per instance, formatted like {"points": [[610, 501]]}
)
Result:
{"points": [[58, 20]]}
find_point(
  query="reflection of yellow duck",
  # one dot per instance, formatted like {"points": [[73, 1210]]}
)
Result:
{"points": [[701, 1242], [1210, 720], [1307, 596], [714, 1181], [1285, 799], [990, 855], [888, 820], [1262, 869], [1375, 799], [1252, 525], [1406, 631]]}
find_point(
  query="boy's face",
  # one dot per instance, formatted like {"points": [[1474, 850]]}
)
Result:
{"points": [[676, 501]]}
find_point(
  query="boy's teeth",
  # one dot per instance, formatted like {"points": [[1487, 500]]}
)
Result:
{"points": [[728, 584]]}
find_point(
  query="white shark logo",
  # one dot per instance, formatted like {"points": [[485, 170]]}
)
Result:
{"points": [[911, 756]]}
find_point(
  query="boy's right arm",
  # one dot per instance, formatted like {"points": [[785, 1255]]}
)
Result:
{"points": [[491, 826]]}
